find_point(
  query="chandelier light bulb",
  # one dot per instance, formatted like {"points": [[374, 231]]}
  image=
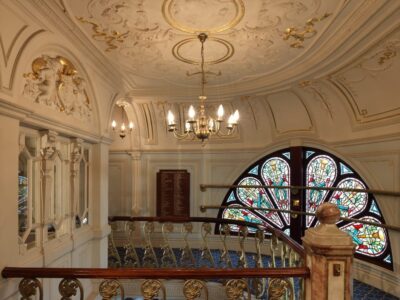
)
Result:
{"points": [[191, 112], [236, 117], [171, 118], [131, 125], [113, 124], [187, 127], [220, 112], [211, 125], [123, 127]]}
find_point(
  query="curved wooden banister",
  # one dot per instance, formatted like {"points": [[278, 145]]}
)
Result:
{"points": [[154, 273], [279, 234]]}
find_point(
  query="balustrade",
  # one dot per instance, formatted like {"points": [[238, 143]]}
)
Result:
{"points": [[208, 259]]}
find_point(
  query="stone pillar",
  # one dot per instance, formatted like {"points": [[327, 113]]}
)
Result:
{"points": [[329, 255]]}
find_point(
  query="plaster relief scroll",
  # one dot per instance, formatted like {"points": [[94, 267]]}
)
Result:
{"points": [[54, 82]]}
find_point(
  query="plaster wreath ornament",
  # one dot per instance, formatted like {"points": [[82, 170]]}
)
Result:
{"points": [[54, 82]]}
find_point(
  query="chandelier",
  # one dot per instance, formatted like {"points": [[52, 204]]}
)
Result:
{"points": [[122, 128], [203, 126]]}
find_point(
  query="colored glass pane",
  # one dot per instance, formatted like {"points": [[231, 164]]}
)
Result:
{"points": [[231, 197], [257, 197], [275, 171], [321, 173], [345, 170], [254, 171], [374, 208], [388, 259], [309, 153], [286, 154], [240, 215], [370, 240], [350, 203]]}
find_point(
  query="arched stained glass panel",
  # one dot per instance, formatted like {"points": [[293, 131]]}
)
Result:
{"points": [[350, 203], [321, 173], [370, 240], [275, 171], [312, 168], [241, 215], [258, 198]]}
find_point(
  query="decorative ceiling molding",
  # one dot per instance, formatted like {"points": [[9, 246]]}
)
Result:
{"points": [[369, 79], [172, 11], [300, 34]]}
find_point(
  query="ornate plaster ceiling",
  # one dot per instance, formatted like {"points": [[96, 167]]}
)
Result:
{"points": [[141, 37]]}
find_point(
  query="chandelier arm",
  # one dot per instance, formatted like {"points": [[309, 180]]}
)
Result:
{"points": [[229, 132], [181, 136]]}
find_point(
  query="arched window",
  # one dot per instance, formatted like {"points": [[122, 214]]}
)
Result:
{"points": [[314, 168]]}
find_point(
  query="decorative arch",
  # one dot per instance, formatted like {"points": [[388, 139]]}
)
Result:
{"points": [[314, 168]]}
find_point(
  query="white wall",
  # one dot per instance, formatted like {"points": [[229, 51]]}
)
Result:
{"points": [[376, 160]]}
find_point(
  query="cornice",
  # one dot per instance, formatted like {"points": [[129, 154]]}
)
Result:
{"points": [[29, 118]]}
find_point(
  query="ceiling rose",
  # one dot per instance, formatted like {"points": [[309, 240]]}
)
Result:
{"points": [[222, 16], [228, 47]]}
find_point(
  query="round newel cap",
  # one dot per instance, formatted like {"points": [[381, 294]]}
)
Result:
{"points": [[328, 213]]}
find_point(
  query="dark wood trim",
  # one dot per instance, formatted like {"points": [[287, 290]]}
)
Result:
{"points": [[153, 273]]}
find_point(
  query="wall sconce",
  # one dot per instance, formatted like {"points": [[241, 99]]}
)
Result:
{"points": [[122, 128]]}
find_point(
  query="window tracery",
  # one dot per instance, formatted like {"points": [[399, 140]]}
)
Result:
{"points": [[316, 168]]}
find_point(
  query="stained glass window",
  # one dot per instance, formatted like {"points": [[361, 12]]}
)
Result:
{"points": [[315, 169]]}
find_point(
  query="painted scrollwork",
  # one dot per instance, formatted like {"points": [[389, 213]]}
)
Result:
{"points": [[300, 34], [54, 82]]}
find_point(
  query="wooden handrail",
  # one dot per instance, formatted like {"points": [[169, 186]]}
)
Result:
{"points": [[279, 234], [153, 273]]}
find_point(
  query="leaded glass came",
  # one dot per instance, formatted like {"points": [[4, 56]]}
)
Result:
{"points": [[320, 171]]}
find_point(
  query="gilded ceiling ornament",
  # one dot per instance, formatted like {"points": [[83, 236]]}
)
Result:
{"points": [[112, 38], [300, 34], [170, 9], [54, 82]]}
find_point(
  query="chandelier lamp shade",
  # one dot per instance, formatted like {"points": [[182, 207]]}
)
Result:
{"points": [[123, 129], [199, 125]]}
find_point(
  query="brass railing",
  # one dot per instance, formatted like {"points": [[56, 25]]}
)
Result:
{"points": [[145, 253], [152, 281], [134, 242], [148, 262]]}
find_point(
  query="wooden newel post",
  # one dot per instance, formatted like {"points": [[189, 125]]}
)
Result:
{"points": [[329, 254]]}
